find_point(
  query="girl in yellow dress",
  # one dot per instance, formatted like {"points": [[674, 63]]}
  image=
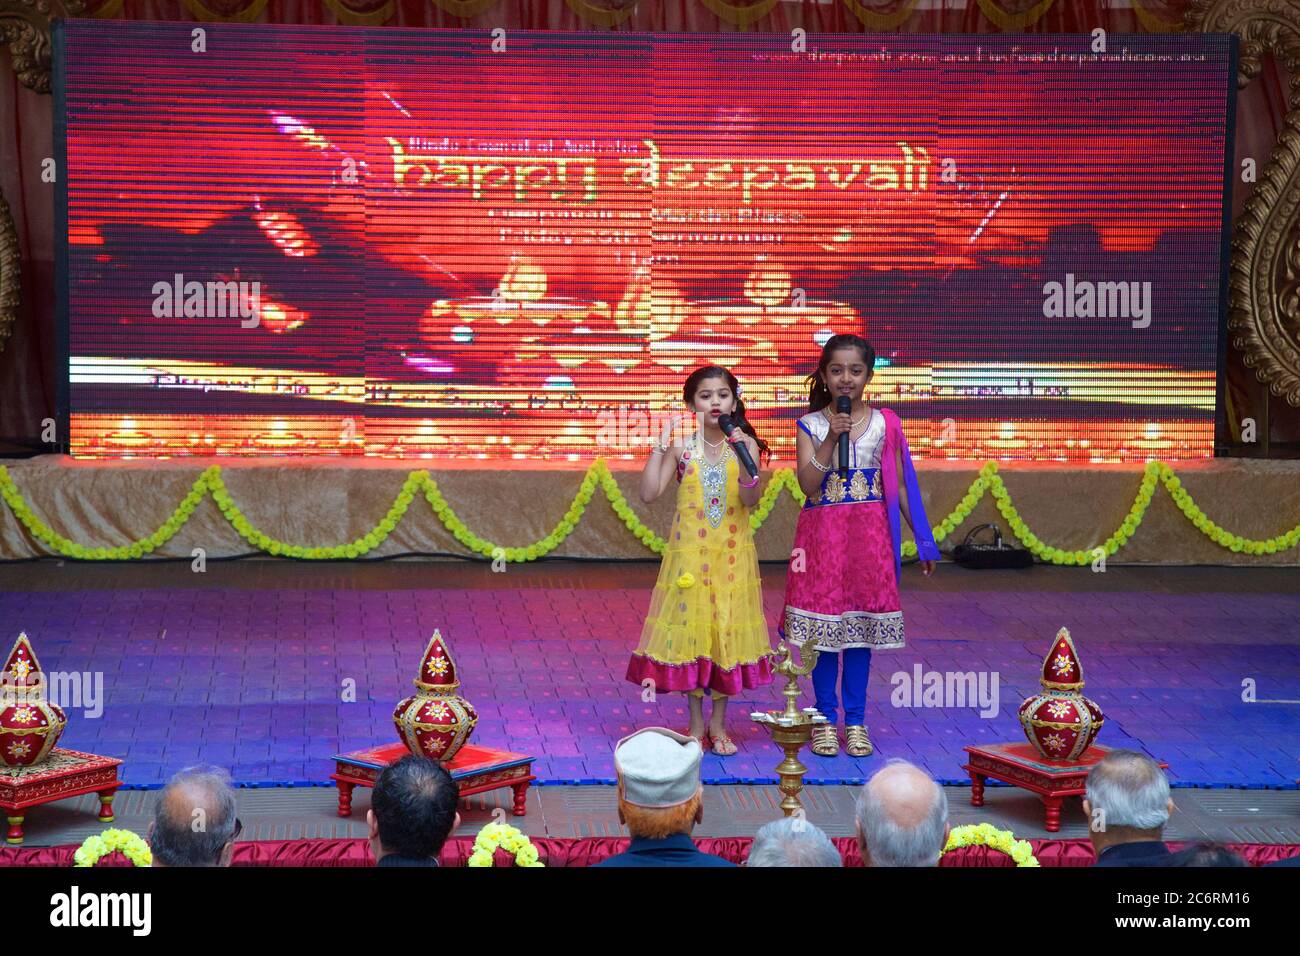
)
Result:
{"points": [[706, 629]]}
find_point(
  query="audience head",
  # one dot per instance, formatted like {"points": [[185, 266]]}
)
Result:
{"points": [[902, 817], [659, 792], [792, 841], [1128, 800], [1206, 854], [194, 821], [412, 809]]}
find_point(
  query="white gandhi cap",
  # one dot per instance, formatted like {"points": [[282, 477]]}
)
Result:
{"points": [[658, 768]]}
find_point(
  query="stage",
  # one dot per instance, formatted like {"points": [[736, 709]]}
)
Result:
{"points": [[247, 665], [320, 503]]}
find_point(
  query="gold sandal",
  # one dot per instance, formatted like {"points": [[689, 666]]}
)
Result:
{"points": [[825, 741], [859, 744]]}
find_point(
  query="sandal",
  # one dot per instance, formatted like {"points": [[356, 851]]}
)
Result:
{"points": [[859, 744], [825, 741], [701, 739], [723, 746]]}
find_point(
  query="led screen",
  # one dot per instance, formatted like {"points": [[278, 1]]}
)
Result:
{"points": [[308, 241]]}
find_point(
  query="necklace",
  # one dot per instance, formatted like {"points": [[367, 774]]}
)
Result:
{"points": [[852, 425], [714, 445]]}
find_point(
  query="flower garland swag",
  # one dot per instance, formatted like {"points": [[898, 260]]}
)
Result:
{"points": [[985, 834], [507, 838], [988, 481], [122, 841]]}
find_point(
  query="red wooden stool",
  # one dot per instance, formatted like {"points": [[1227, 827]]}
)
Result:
{"points": [[63, 774], [476, 770], [1020, 764]]}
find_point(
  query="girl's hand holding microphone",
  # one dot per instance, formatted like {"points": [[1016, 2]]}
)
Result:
{"points": [[841, 423]]}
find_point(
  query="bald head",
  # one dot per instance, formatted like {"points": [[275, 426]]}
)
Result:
{"points": [[902, 817], [194, 819], [1131, 791]]}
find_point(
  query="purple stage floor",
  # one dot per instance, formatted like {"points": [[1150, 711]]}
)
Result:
{"points": [[253, 679]]}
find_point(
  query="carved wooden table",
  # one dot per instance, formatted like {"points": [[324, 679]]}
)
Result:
{"points": [[63, 774], [1020, 764], [475, 769]]}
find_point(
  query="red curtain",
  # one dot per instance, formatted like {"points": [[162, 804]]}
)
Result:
{"points": [[585, 852]]}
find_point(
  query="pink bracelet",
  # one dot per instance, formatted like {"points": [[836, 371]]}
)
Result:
{"points": [[748, 484]]}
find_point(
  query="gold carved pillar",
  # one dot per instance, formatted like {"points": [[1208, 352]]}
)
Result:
{"points": [[25, 30], [1264, 273]]}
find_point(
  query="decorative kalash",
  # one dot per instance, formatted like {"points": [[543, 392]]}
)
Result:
{"points": [[435, 722], [1061, 726], [32, 770], [30, 724], [1060, 722], [791, 728]]}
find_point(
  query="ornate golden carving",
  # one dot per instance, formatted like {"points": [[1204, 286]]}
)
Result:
{"points": [[25, 29], [10, 273], [1264, 276]]}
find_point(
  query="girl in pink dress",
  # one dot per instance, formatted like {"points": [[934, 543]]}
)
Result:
{"points": [[842, 589]]}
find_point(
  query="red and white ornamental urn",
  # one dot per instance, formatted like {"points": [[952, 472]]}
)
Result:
{"points": [[436, 722], [1060, 722], [30, 725]]}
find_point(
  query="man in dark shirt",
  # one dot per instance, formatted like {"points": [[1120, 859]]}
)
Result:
{"points": [[412, 812], [660, 800], [1127, 806]]}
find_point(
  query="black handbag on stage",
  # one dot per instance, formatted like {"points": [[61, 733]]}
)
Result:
{"points": [[979, 556]]}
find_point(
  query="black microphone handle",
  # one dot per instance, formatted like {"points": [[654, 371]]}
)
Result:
{"points": [[844, 406], [742, 450]]}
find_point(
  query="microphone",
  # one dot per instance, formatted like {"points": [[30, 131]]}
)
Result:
{"points": [[844, 405], [741, 449]]}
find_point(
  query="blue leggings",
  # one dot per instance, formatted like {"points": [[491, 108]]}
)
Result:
{"points": [[857, 668]]}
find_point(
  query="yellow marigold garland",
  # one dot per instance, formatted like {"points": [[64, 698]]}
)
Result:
{"points": [[507, 838], [985, 834], [767, 500], [988, 481], [621, 508], [124, 841]]}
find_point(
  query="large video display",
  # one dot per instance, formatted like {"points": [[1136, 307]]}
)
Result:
{"points": [[515, 247]]}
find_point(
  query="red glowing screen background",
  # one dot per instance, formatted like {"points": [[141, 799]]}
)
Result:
{"points": [[406, 243]]}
